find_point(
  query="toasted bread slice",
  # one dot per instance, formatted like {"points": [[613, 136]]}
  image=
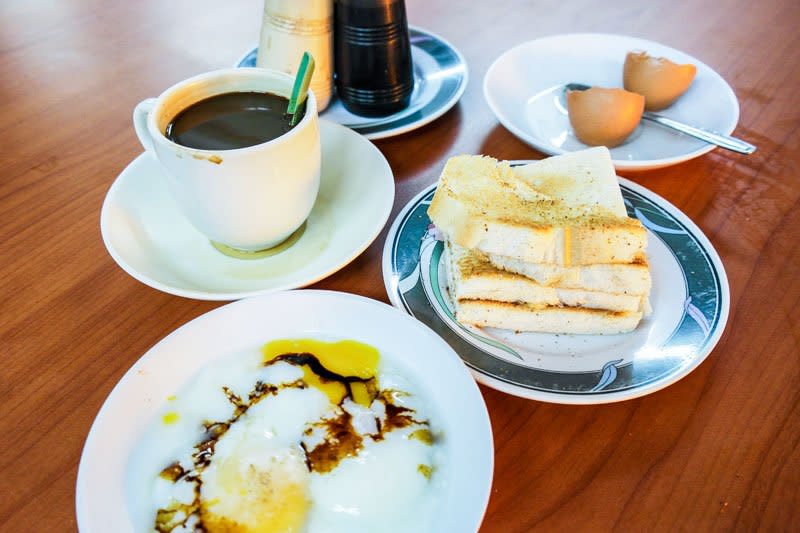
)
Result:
{"points": [[524, 317], [577, 217], [585, 178], [472, 277], [619, 278]]}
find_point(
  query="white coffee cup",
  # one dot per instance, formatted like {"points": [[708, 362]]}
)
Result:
{"points": [[249, 198]]}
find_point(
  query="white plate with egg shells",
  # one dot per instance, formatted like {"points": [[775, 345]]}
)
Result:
{"points": [[132, 440], [523, 86], [147, 235]]}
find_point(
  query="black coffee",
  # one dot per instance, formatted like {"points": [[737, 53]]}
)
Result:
{"points": [[231, 120]]}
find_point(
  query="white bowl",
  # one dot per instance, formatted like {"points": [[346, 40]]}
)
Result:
{"points": [[522, 89], [102, 500]]}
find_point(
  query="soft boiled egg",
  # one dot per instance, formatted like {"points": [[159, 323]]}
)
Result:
{"points": [[324, 438], [658, 79], [604, 117]]}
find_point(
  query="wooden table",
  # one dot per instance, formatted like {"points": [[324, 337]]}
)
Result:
{"points": [[718, 450]]}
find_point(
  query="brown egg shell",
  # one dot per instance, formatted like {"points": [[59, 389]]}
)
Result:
{"points": [[658, 79], [604, 117]]}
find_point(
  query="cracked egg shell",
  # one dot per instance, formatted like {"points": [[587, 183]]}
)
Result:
{"points": [[658, 79], [604, 117]]}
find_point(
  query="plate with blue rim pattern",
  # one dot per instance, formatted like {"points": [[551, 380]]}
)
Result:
{"points": [[690, 298], [440, 77]]}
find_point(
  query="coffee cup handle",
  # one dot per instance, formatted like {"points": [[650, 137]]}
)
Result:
{"points": [[140, 114]]}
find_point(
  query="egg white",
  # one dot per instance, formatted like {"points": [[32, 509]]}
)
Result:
{"points": [[381, 489]]}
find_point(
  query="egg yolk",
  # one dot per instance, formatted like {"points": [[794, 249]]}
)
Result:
{"points": [[260, 501], [347, 358], [334, 390]]}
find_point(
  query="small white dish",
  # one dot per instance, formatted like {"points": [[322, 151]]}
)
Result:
{"points": [[148, 236], [690, 299], [440, 78], [523, 85], [106, 493]]}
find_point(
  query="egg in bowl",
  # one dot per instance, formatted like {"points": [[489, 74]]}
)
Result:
{"points": [[155, 414], [303, 436]]}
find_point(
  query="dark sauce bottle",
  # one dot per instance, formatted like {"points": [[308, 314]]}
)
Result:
{"points": [[374, 72]]}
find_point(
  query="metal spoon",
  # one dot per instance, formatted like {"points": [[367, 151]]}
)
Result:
{"points": [[724, 141]]}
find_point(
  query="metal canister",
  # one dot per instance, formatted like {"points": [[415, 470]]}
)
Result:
{"points": [[374, 70], [291, 27]]}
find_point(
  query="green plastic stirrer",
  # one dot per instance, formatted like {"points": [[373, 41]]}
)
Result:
{"points": [[300, 89]]}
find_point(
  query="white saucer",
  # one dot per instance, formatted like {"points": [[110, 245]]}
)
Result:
{"points": [[113, 495], [522, 88], [148, 236]]}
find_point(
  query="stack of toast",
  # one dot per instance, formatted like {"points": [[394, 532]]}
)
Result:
{"points": [[545, 247]]}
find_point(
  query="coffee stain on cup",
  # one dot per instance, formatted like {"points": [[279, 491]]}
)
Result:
{"points": [[309, 248], [211, 159], [259, 254]]}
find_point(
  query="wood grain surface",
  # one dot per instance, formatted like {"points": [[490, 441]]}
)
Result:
{"points": [[719, 450]]}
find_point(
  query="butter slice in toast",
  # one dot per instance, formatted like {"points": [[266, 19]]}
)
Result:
{"points": [[621, 278], [472, 277]]}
